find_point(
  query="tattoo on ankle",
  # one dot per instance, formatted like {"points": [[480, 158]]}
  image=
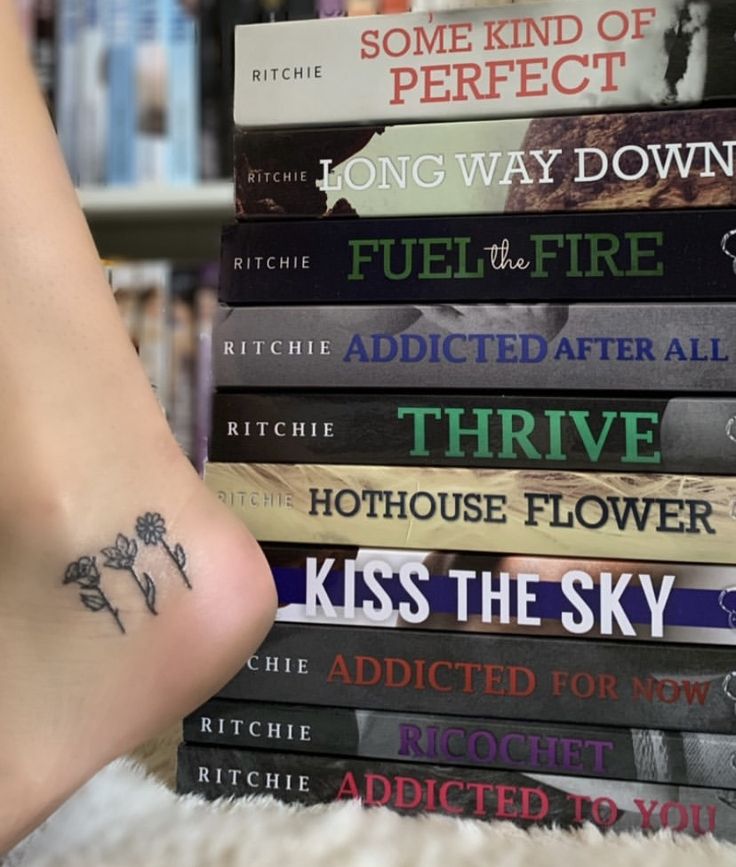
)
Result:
{"points": [[84, 572], [122, 556], [151, 530], [86, 575]]}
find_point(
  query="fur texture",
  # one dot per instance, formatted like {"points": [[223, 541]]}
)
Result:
{"points": [[125, 816]]}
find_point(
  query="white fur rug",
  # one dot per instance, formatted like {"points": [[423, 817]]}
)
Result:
{"points": [[126, 818]]}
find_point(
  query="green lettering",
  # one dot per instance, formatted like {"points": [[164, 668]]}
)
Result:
{"points": [[638, 253], [555, 452], [509, 436], [593, 446], [479, 432], [419, 415], [359, 258], [407, 245], [634, 436], [603, 247], [430, 257]]}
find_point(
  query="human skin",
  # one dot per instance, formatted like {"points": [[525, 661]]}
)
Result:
{"points": [[96, 654]]}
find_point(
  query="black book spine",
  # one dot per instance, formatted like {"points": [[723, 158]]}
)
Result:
{"points": [[641, 685], [610, 347], [646, 755], [591, 432], [525, 799], [594, 257]]}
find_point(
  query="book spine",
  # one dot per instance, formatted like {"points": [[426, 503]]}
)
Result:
{"points": [[611, 515], [540, 58], [496, 593], [678, 435], [152, 117], [45, 49], [642, 685], [524, 799], [214, 137], [121, 105], [608, 347], [183, 96], [646, 755], [330, 8], [639, 256], [92, 117], [596, 162], [69, 69]]}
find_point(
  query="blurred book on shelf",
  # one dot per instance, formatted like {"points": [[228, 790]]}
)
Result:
{"points": [[168, 311], [141, 93]]}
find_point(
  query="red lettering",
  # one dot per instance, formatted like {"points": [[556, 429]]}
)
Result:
{"points": [[404, 42], [582, 684], [339, 670], [516, 672], [495, 77], [459, 33], [432, 675], [431, 82], [611, 811], [468, 669], [402, 783], [504, 800], [608, 62], [664, 815], [696, 691], [642, 18], [559, 681], [607, 683], [613, 26], [391, 664], [578, 801], [642, 689], [527, 76], [646, 814], [404, 78], [467, 77], [480, 789], [361, 666], [445, 800], [369, 41], [493, 29], [557, 71], [348, 788], [372, 799], [711, 818], [494, 686], [526, 804]]}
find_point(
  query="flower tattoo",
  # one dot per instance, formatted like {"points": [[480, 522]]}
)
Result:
{"points": [[122, 555], [85, 574], [151, 530]]}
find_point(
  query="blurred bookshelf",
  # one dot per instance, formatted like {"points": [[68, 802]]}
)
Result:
{"points": [[152, 221]]}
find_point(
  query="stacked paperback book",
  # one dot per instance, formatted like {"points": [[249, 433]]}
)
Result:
{"points": [[487, 438]]}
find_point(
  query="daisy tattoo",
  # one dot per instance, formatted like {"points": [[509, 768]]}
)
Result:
{"points": [[151, 530]]}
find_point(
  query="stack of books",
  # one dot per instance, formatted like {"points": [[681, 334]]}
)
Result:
{"points": [[488, 439]]}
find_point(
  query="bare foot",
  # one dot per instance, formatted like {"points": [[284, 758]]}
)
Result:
{"points": [[128, 593]]}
